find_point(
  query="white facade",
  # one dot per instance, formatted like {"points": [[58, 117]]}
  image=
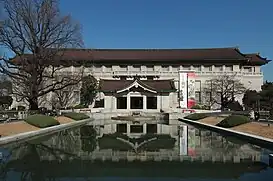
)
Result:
{"points": [[251, 77], [249, 74]]}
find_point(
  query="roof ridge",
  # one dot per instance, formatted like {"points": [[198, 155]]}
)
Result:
{"points": [[146, 49]]}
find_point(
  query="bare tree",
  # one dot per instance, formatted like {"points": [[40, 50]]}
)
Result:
{"points": [[37, 33], [223, 89], [63, 98]]}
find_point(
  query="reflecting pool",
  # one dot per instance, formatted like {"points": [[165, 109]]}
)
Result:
{"points": [[119, 152]]}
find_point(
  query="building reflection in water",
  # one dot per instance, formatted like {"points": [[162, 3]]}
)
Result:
{"points": [[150, 144]]}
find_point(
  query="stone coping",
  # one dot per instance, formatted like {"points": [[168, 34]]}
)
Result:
{"points": [[41, 132], [251, 138]]}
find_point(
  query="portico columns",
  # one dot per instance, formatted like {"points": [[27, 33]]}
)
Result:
{"points": [[144, 102], [128, 101]]}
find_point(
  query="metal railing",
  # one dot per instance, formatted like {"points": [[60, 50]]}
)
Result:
{"points": [[170, 73]]}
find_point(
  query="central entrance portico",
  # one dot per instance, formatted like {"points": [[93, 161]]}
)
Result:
{"points": [[137, 94]]}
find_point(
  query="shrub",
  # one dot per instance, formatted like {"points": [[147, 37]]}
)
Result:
{"points": [[197, 116], [199, 106], [233, 120], [76, 116], [41, 121], [80, 106]]}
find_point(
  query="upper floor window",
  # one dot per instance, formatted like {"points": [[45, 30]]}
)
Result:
{"points": [[136, 67], [175, 68], [247, 69], [186, 67], [165, 68], [96, 68], [107, 68], [123, 67], [218, 68], [197, 68], [150, 68], [207, 68], [229, 68]]}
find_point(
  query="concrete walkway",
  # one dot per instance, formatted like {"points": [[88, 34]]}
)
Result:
{"points": [[212, 120], [13, 128], [255, 128], [28, 133]]}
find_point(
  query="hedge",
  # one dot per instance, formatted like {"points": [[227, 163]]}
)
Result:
{"points": [[233, 120], [76, 116], [41, 121], [197, 116]]}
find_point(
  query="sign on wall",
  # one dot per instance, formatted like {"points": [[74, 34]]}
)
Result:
{"points": [[191, 89], [183, 92]]}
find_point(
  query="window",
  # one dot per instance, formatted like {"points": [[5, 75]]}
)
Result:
{"points": [[121, 128], [136, 68], [165, 68], [96, 68], [186, 67], [151, 128], [107, 68], [198, 96], [123, 67], [208, 68], [175, 68], [136, 102], [247, 69], [99, 104], [229, 68], [136, 128], [197, 68], [151, 102], [150, 68], [121, 102], [218, 68]]}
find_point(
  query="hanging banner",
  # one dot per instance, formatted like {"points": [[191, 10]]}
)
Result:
{"points": [[191, 89], [183, 93]]}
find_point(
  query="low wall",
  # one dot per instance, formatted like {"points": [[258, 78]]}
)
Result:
{"points": [[253, 139], [21, 137]]}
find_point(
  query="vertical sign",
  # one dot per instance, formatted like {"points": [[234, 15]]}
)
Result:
{"points": [[183, 93], [191, 89], [183, 140]]}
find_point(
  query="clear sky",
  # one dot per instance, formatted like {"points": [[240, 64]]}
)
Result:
{"points": [[176, 24]]}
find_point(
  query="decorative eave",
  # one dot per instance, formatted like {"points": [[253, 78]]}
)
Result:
{"points": [[137, 83], [153, 86]]}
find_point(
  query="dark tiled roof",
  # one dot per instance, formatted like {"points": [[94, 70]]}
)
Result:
{"points": [[155, 55], [256, 59], [156, 85]]}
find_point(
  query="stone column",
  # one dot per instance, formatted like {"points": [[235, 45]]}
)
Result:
{"points": [[158, 102], [144, 102], [128, 128], [144, 128], [128, 101]]}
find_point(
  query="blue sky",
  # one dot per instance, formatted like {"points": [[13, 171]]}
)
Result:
{"points": [[176, 24]]}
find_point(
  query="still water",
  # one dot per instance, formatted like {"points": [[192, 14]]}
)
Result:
{"points": [[114, 153]]}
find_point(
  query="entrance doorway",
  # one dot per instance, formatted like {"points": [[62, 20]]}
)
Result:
{"points": [[136, 103]]}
